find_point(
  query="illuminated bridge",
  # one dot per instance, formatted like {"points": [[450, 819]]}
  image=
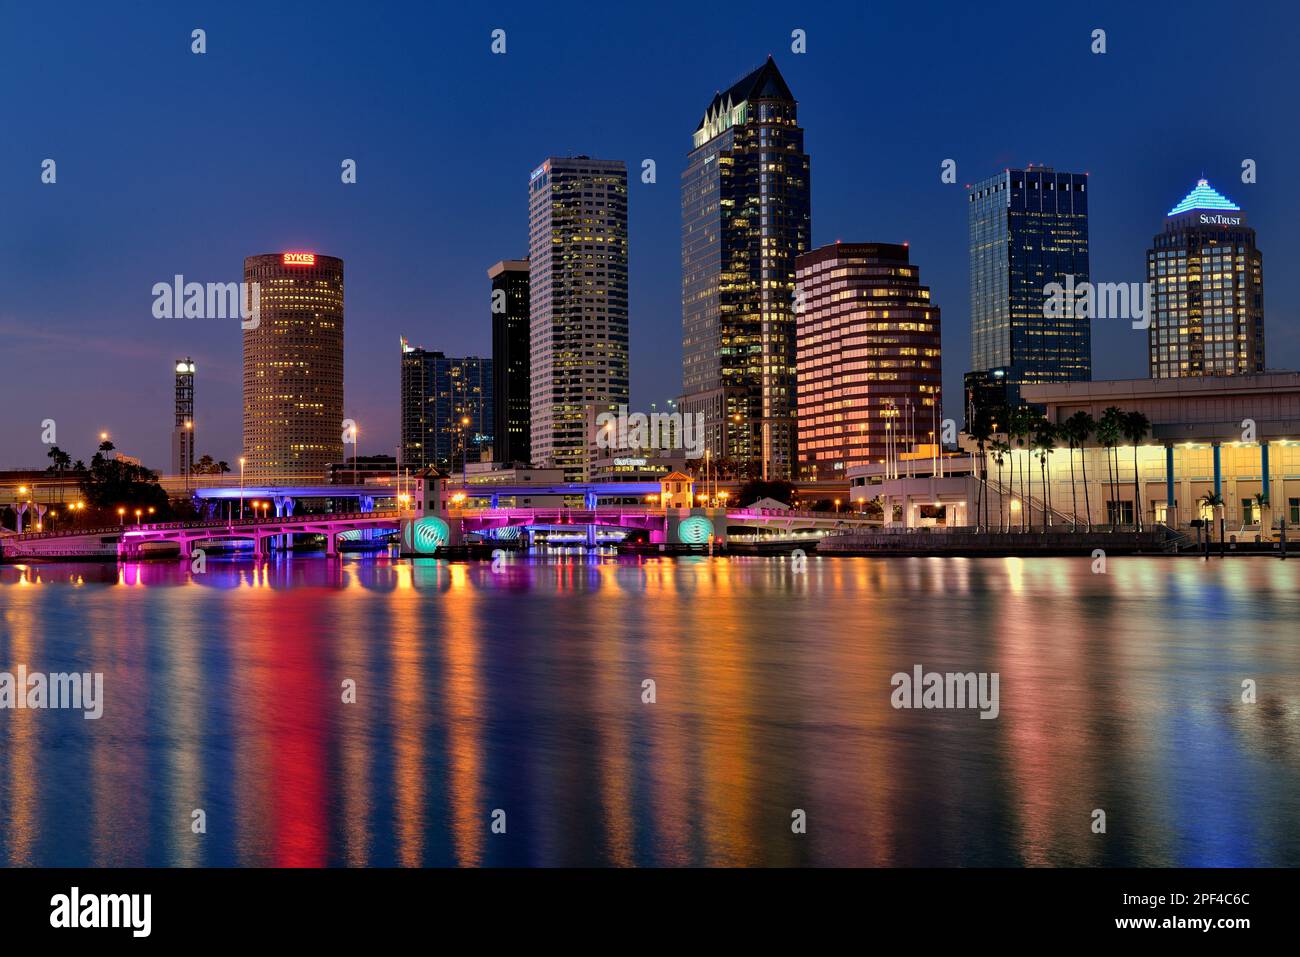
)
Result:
{"points": [[430, 524]]}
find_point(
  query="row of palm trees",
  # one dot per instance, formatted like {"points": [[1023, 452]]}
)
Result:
{"points": [[999, 432]]}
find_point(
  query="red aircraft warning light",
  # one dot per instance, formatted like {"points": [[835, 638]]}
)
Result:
{"points": [[300, 259]]}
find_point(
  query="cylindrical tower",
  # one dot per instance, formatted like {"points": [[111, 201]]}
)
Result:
{"points": [[293, 367]]}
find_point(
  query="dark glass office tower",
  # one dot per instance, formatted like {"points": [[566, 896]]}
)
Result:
{"points": [[446, 409], [1207, 290], [1028, 228], [511, 398], [746, 216]]}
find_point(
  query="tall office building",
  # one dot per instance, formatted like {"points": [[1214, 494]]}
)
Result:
{"points": [[446, 409], [511, 395], [1207, 290], [1028, 228], [183, 420], [578, 321], [746, 215], [293, 367], [868, 354]]}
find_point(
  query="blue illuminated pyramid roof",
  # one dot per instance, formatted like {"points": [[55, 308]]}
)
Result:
{"points": [[1204, 196]]}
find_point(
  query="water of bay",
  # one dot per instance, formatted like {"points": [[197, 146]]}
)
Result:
{"points": [[519, 696]]}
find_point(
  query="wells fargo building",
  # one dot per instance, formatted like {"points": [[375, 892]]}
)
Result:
{"points": [[293, 367]]}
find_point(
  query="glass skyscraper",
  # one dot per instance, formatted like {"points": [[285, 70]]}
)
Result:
{"points": [[1207, 290], [746, 216], [446, 409], [578, 332], [1028, 228]]}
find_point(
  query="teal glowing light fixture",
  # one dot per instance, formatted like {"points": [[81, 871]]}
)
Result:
{"points": [[1204, 196]]}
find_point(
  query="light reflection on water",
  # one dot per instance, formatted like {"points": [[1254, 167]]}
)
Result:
{"points": [[521, 690]]}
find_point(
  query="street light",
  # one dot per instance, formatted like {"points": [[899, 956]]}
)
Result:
{"points": [[464, 449], [121, 516], [241, 488], [355, 431], [187, 461], [138, 513]]}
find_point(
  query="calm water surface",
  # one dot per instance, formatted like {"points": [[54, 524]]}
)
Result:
{"points": [[521, 690]]}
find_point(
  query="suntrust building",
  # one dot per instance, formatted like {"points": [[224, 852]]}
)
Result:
{"points": [[1207, 281]]}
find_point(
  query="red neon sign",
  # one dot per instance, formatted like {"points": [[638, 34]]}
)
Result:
{"points": [[300, 259]]}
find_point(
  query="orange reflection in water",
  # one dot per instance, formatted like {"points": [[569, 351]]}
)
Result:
{"points": [[464, 708], [409, 766], [20, 731]]}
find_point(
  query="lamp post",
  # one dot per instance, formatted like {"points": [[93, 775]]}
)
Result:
{"points": [[241, 488], [464, 450], [121, 516], [186, 460]]}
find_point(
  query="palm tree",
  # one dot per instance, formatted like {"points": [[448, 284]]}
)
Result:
{"points": [[981, 431], [1044, 446], [1021, 425], [1078, 428], [1108, 433], [1136, 427], [59, 459], [1000, 448], [1213, 501]]}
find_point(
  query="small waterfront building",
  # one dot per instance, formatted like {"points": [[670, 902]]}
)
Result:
{"points": [[677, 490], [1234, 440]]}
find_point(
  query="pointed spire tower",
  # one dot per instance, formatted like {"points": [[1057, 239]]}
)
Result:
{"points": [[746, 216]]}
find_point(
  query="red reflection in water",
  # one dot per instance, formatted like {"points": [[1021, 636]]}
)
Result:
{"points": [[291, 690]]}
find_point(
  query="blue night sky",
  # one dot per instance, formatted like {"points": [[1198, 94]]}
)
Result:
{"points": [[171, 163]]}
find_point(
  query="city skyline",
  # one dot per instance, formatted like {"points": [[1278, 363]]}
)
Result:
{"points": [[107, 337]]}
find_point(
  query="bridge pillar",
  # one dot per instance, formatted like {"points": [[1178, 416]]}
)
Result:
{"points": [[20, 509], [187, 548], [331, 545], [719, 518], [591, 536]]}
